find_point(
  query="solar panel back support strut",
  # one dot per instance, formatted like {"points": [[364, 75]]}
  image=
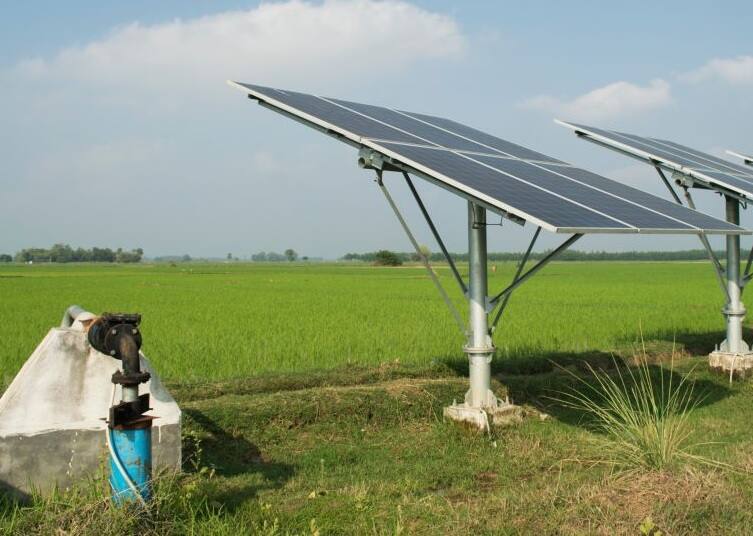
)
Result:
{"points": [[538, 266], [424, 260], [434, 232], [480, 403], [718, 269], [731, 283], [515, 278], [733, 354]]}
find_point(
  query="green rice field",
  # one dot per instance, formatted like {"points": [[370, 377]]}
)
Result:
{"points": [[221, 321], [312, 400]]}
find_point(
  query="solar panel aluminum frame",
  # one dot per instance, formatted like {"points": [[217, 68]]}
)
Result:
{"points": [[402, 163], [697, 178], [480, 403], [726, 355], [386, 156]]}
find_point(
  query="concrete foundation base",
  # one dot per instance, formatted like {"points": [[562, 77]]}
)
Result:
{"points": [[52, 417], [739, 365], [503, 414]]}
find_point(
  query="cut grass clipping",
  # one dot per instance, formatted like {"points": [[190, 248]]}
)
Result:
{"points": [[641, 415]]}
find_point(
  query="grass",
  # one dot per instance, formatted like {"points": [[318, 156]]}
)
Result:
{"points": [[643, 415], [312, 401], [214, 322], [376, 458]]}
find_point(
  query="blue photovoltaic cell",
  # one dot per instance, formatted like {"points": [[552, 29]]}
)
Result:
{"points": [[669, 208], [645, 145], [504, 146], [556, 182], [494, 171], [336, 115], [709, 160], [530, 199], [703, 166], [431, 135]]}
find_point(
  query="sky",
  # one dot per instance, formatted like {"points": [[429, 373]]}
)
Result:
{"points": [[118, 128]]}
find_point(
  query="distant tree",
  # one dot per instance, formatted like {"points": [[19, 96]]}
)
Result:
{"points": [[304, 258], [385, 257], [275, 257], [291, 254], [102, 255], [132, 256], [185, 258], [4, 257], [259, 257], [230, 256]]}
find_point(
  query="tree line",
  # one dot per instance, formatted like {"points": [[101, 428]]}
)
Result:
{"points": [[378, 257], [65, 253], [289, 255]]}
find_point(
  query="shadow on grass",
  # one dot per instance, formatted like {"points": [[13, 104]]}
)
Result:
{"points": [[230, 455], [539, 379], [700, 343]]}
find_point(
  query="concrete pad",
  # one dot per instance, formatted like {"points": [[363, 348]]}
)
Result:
{"points": [[52, 416], [739, 365], [502, 414]]}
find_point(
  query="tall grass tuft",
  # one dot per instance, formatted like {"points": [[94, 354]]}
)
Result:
{"points": [[643, 415]]}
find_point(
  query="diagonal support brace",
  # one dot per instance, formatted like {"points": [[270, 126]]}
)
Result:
{"points": [[521, 265], [747, 275], [451, 306], [718, 268], [434, 231], [538, 266]]}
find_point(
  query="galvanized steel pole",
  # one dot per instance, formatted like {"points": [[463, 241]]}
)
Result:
{"points": [[479, 347], [734, 310]]}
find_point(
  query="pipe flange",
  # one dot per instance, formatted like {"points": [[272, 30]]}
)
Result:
{"points": [[728, 311], [476, 350]]}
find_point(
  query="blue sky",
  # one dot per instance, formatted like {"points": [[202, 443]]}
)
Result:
{"points": [[119, 129]]}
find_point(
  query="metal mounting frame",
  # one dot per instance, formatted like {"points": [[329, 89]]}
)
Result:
{"points": [[479, 345], [424, 260], [730, 280]]}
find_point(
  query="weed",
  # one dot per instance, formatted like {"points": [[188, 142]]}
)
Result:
{"points": [[642, 414]]}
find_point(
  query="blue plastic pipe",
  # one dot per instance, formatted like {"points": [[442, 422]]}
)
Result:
{"points": [[133, 450]]}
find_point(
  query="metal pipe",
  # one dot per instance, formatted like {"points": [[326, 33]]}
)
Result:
{"points": [[70, 315], [734, 310], [479, 348], [434, 231]]}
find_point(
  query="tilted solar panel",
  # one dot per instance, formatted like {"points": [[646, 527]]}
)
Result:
{"points": [[746, 158], [499, 174], [705, 168]]}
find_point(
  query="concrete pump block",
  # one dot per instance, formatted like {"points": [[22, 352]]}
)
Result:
{"points": [[52, 417]]}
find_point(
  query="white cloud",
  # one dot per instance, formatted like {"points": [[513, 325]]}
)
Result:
{"points": [[737, 71], [274, 43], [613, 100]]}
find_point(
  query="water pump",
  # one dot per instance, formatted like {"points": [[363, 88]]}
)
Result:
{"points": [[129, 430]]}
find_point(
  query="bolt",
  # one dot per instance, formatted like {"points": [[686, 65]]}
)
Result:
{"points": [[114, 331], [112, 352]]}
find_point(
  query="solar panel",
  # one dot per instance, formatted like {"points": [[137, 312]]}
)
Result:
{"points": [[705, 168], [746, 158], [501, 175]]}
